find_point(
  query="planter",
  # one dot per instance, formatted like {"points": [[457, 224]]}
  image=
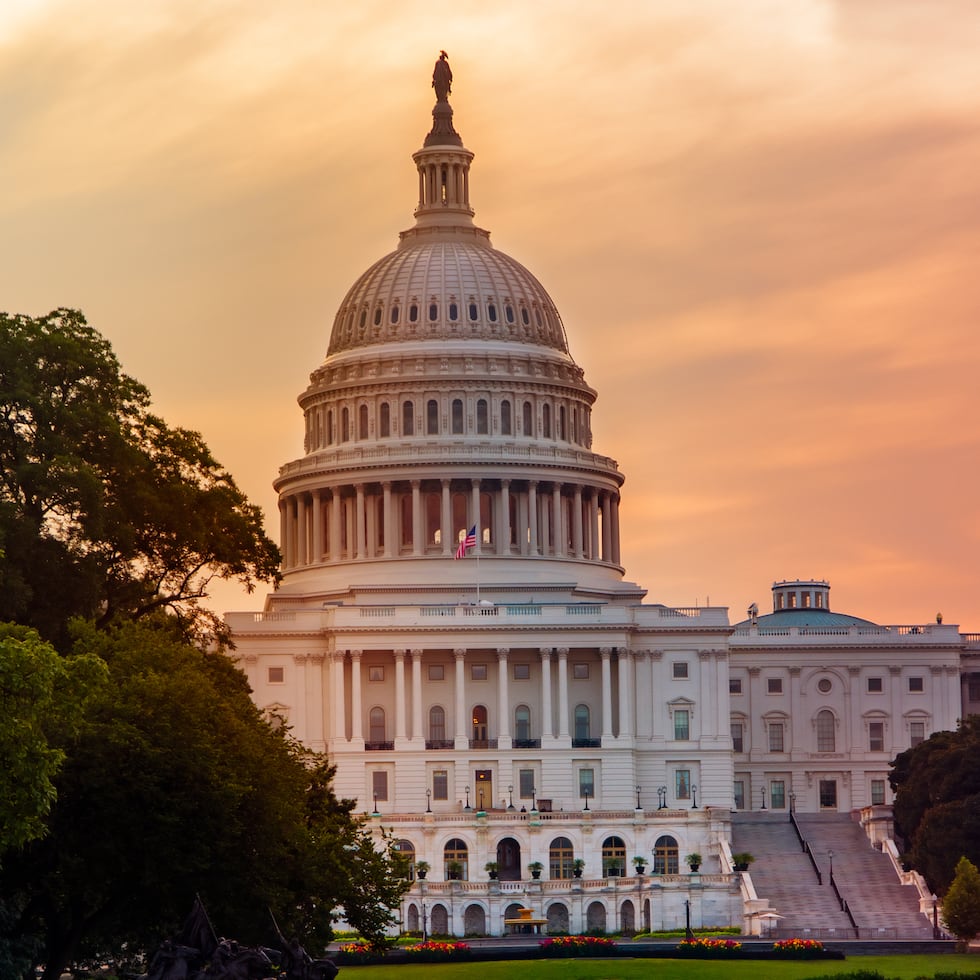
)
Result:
{"points": [[420, 874], [492, 875], [695, 868], [577, 873], [535, 875]]}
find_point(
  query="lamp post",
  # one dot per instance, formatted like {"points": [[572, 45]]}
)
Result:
{"points": [[792, 802], [425, 923], [534, 805], [585, 793], [763, 797], [428, 800], [935, 917], [510, 797], [376, 812], [662, 795], [467, 807], [830, 855], [482, 806], [694, 793], [638, 788], [687, 920]]}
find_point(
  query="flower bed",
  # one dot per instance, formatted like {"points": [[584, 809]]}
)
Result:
{"points": [[435, 951], [359, 954], [798, 949], [708, 947], [568, 946]]}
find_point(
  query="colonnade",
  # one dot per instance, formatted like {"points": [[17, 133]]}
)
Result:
{"points": [[427, 517]]}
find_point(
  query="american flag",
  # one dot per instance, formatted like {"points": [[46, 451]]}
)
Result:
{"points": [[468, 542]]}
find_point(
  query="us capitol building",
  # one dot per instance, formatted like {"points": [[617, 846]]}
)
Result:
{"points": [[518, 719]]}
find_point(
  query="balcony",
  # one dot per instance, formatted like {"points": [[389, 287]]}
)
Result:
{"points": [[439, 743], [586, 743], [527, 743], [483, 743], [379, 746]]}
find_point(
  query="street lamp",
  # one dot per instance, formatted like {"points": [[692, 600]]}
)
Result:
{"points": [[534, 805], [585, 793], [688, 935], [467, 807], [830, 854], [662, 795], [375, 813], [510, 797], [428, 800], [638, 788], [792, 802], [694, 793], [482, 805], [763, 797]]}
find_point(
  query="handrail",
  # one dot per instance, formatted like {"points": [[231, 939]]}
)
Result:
{"points": [[796, 827], [813, 861], [844, 907]]}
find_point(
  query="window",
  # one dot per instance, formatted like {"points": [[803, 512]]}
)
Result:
{"points": [[586, 783], [362, 422], [456, 858], [525, 784], [437, 723], [682, 784], [580, 672], [454, 312], [277, 675], [973, 687], [478, 672], [432, 417], [682, 724], [614, 857], [877, 792], [527, 419], [522, 672], [482, 419], [440, 784], [492, 312], [734, 685], [413, 313], [408, 419], [479, 736], [776, 736], [824, 685], [774, 685], [385, 420], [376, 725], [916, 685], [379, 785], [506, 426], [437, 672], [376, 673], [406, 849], [522, 723], [679, 671], [917, 733], [876, 736], [777, 794], [582, 725], [473, 311], [737, 737], [560, 854], [433, 312], [665, 856], [394, 313], [738, 788], [457, 416], [546, 421], [875, 685], [826, 731], [345, 424]]}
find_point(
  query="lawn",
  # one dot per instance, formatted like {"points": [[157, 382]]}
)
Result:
{"points": [[902, 967]]}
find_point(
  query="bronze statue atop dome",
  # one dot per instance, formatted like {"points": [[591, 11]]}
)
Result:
{"points": [[442, 78]]}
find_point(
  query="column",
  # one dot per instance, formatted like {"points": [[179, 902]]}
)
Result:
{"points": [[641, 675], [475, 514], [301, 721], [446, 520], [656, 692], [709, 711], [557, 524], [317, 554], [606, 528], [400, 735], [314, 691], [544, 523], [335, 524], [389, 524], [594, 553], [606, 653], [626, 688], [505, 733], [547, 728], [563, 694], [532, 513], [503, 542], [523, 523], [357, 710], [462, 740], [417, 529], [723, 718], [615, 529], [359, 517], [417, 731], [284, 532], [301, 558], [338, 727], [577, 522]]}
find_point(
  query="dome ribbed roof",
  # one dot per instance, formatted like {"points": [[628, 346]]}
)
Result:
{"points": [[447, 289]]}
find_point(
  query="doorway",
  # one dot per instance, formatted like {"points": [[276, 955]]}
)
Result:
{"points": [[509, 860], [484, 789], [828, 794]]}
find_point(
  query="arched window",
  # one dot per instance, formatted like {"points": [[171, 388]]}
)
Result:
{"points": [[582, 722], [522, 723], [509, 313], [432, 417], [560, 858], [525, 319], [482, 421], [405, 850], [408, 419], [480, 739], [330, 427], [362, 422], [561, 421], [492, 312], [614, 858], [385, 420], [546, 421], [528, 420], [665, 858], [437, 724], [413, 313], [376, 725], [456, 858], [433, 312], [457, 416], [505, 421], [394, 313], [345, 424], [377, 316], [826, 731], [474, 311], [454, 312]]}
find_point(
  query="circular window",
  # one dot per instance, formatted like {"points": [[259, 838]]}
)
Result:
{"points": [[824, 685]]}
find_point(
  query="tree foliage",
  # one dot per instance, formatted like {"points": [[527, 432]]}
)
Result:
{"points": [[961, 906], [175, 785], [937, 801], [105, 511]]}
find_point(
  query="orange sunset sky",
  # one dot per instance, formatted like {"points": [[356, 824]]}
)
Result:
{"points": [[760, 221]]}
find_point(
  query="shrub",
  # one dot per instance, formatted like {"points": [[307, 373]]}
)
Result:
{"points": [[568, 946], [710, 947], [798, 949], [437, 951]]}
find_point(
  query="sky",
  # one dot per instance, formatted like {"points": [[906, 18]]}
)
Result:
{"points": [[760, 222]]}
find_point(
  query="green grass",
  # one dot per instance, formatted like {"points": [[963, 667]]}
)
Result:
{"points": [[901, 967]]}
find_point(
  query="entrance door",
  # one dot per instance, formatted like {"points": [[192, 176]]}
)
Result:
{"points": [[509, 860], [479, 739], [484, 789], [828, 794]]}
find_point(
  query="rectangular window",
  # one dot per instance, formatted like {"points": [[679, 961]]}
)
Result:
{"points": [[586, 783], [437, 672], [379, 785], [522, 672], [682, 724], [777, 794], [376, 673], [440, 784], [277, 675], [739, 793], [973, 688], [774, 685], [916, 685], [580, 672], [776, 737], [876, 736], [877, 792], [680, 671], [917, 733], [478, 672], [737, 739], [525, 784], [875, 685], [734, 685], [682, 784]]}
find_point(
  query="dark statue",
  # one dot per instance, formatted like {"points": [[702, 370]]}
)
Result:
{"points": [[442, 78]]}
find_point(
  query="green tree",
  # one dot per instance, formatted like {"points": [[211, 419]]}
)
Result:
{"points": [[176, 785], [105, 511], [961, 906]]}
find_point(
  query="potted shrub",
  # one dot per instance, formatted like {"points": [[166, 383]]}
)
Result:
{"points": [[693, 861], [454, 870], [535, 867], [421, 869], [742, 860], [492, 868], [578, 866], [640, 863], [611, 867]]}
